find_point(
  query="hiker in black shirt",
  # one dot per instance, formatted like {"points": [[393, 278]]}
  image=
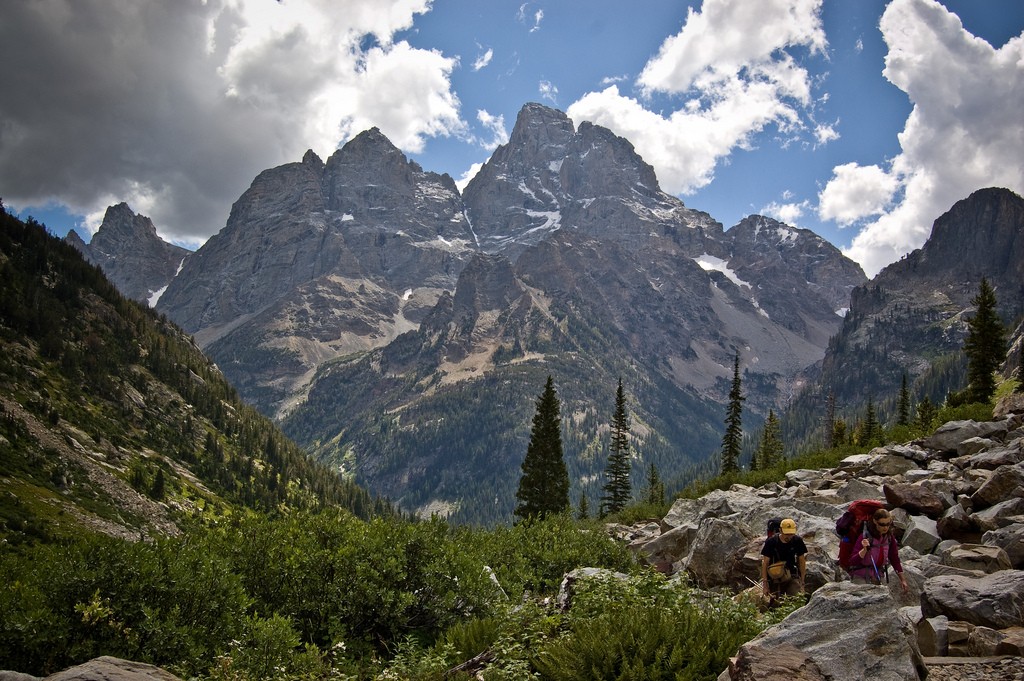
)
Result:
{"points": [[784, 562]]}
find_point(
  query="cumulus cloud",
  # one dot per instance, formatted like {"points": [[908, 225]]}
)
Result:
{"points": [[856, 192], [965, 131], [790, 213], [495, 125], [175, 107], [734, 75], [824, 134]]}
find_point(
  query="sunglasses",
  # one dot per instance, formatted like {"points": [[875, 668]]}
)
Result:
{"points": [[885, 524]]}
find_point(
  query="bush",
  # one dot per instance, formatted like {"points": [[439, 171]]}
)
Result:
{"points": [[646, 629], [534, 556]]}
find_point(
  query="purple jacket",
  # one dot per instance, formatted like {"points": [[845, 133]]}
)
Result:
{"points": [[884, 551]]}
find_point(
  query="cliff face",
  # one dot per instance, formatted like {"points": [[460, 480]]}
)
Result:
{"points": [[912, 317]]}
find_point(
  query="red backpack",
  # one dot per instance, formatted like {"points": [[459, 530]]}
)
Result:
{"points": [[851, 524]]}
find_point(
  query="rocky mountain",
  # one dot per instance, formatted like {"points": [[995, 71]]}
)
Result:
{"points": [[912, 317], [321, 260], [132, 255], [113, 421], [400, 329]]}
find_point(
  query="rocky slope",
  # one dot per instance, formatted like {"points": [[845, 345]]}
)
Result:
{"points": [[957, 497], [132, 255]]}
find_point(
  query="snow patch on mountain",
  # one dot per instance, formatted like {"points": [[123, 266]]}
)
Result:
{"points": [[709, 262]]}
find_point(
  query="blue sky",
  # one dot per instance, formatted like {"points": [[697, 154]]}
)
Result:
{"points": [[862, 120]]}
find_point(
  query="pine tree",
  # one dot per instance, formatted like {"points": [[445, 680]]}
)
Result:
{"points": [[985, 346], [926, 414], [903, 408], [870, 431], [732, 441], [617, 488], [770, 449], [655, 487], [583, 511], [544, 484], [830, 421]]}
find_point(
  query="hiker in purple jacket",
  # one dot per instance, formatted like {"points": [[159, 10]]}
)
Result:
{"points": [[878, 550]]}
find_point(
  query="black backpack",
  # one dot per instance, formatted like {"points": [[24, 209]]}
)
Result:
{"points": [[774, 526]]}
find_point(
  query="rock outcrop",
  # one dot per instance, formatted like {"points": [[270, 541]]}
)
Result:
{"points": [[104, 668]]}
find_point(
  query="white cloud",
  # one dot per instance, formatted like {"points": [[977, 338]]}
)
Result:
{"points": [[731, 68], [965, 132], [790, 213], [495, 125], [548, 91], [467, 176], [175, 107], [856, 192], [483, 60], [825, 133], [525, 16]]}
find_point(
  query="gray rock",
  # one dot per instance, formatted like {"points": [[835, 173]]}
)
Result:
{"points": [[987, 559], [921, 534], [933, 636], [113, 669], [950, 435], [1011, 540], [1000, 515], [917, 500], [1006, 482], [782, 662], [995, 600], [875, 644], [715, 553]]}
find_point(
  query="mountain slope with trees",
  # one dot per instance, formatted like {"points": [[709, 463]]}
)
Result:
{"points": [[112, 419]]}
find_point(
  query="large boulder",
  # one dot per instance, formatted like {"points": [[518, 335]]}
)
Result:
{"points": [[1011, 540], [921, 534], [849, 631], [915, 499], [995, 601], [987, 559], [715, 554], [1006, 482], [773, 663], [108, 668], [947, 438]]}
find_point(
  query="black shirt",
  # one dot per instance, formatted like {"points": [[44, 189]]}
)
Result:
{"points": [[777, 550]]}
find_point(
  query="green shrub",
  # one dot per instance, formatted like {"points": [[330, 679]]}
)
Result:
{"points": [[534, 556], [646, 629]]}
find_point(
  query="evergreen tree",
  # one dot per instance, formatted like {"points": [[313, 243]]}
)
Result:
{"points": [[870, 430], [770, 449], [830, 420], [544, 484], [926, 414], [158, 490], [583, 511], [985, 346], [732, 441], [617, 488], [655, 487], [903, 408]]}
